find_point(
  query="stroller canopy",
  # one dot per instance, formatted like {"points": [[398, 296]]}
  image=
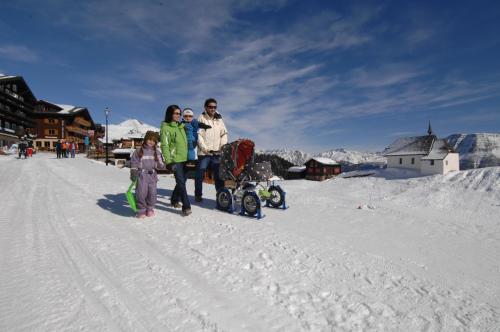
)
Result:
{"points": [[237, 162], [236, 156]]}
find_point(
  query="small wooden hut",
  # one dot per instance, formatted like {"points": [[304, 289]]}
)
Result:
{"points": [[319, 169]]}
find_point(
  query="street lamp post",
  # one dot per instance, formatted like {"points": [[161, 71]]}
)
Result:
{"points": [[106, 111]]}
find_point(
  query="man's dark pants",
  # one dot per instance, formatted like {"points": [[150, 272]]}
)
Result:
{"points": [[204, 163]]}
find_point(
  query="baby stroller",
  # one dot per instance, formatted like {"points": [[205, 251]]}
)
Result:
{"points": [[246, 182]]}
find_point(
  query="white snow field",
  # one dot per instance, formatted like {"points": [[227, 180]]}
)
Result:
{"points": [[359, 254]]}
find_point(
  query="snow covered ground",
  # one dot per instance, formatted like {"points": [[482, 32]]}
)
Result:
{"points": [[359, 254]]}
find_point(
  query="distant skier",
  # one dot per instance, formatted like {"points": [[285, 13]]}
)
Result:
{"points": [[143, 165]]}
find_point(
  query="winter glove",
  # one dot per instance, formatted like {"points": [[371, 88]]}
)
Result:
{"points": [[172, 167], [204, 126], [134, 174]]}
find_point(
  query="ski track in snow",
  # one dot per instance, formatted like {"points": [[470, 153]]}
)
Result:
{"points": [[74, 258]]}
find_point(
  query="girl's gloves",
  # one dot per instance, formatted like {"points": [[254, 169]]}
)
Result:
{"points": [[134, 174]]}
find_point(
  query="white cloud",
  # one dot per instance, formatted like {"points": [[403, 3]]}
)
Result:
{"points": [[18, 53], [386, 75]]}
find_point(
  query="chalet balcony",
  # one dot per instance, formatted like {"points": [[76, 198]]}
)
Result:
{"points": [[82, 122], [77, 130], [13, 94]]}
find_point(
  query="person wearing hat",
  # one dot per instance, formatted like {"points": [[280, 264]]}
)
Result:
{"points": [[143, 165], [191, 125], [174, 146]]}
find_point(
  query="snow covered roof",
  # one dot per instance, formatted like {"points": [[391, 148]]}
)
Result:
{"points": [[439, 150], [297, 169], [429, 146], [324, 161], [69, 109], [4, 77], [62, 108], [123, 151], [419, 145]]}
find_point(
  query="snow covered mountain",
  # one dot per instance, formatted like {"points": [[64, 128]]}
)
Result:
{"points": [[353, 157], [476, 150], [342, 156], [296, 157], [129, 129]]}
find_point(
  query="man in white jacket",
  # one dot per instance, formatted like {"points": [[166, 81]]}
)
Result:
{"points": [[210, 142]]}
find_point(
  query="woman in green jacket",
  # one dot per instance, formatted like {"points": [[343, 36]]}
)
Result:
{"points": [[174, 147]]}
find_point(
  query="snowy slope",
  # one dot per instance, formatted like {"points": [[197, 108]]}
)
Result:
{"points": [[128, 129], [476, 150], [361, 254]]}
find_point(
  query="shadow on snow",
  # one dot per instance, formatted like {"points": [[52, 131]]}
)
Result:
{"points": [[117, 203]]}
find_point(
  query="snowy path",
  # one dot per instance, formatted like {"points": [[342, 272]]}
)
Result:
{"points": [[72, 257]]}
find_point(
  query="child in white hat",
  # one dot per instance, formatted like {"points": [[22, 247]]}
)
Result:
{"points": [[191, 125]]}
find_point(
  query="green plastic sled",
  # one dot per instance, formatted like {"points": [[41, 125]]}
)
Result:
{"points": [[131, 196]]}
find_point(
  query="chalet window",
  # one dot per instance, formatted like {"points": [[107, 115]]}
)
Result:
{"points": [[52, 132], [46, 144], [432, 162], [38, 144], [413, 161], [400, 161], [52, 121]]}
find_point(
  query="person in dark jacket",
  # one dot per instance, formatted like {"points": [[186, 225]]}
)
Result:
{"points": [[23, 145], [58, 149]]}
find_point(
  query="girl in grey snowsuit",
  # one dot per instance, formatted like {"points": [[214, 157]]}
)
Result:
{"points": [[143, 165]]}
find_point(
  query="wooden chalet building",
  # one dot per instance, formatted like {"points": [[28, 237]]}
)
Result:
{"points": [[296, 172], [55, 122], [17, 104], [319, 169]]}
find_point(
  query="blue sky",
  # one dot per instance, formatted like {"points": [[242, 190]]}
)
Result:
{"points": [[312, 75]]}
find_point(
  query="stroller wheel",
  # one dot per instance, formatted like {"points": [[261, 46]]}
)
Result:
{"points": [[277, 196], [224, 200], [251, 203]]}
